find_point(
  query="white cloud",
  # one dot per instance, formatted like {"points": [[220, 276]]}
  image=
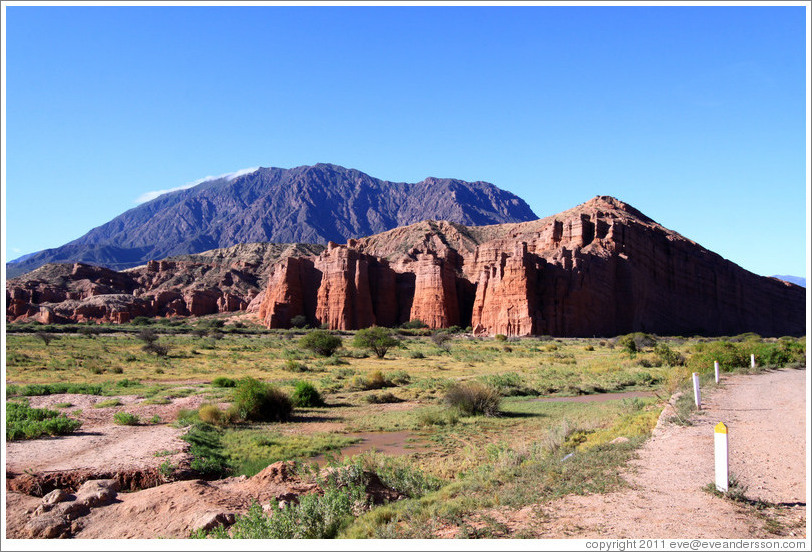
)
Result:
{"points": [[149, 196]]}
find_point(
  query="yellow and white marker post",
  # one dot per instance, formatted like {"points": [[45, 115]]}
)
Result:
{"points": [[697, 396], [716, 369], [720, 453], [752, 361]]}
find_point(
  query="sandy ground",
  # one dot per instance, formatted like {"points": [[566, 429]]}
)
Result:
{"points": [[766, 416], [99, 443]]}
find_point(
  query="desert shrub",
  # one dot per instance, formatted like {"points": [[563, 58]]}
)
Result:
{"points": [[45, 337], [729, 356], [314, 517], [378, 340], [305, 395], [500, 337], [442, 340], [416, 355], [398, 377], [636, 342], [334, 361], [665, 355], [298, 321], [157, 349], [474, 398], [437, 417], [320, 342], [125, 418], [211, 414], [24, 422], [223, 382], [292, 366], [628, 344], [415, 324], [382, 398], [147, 335], [260, 402], [374, 380]]}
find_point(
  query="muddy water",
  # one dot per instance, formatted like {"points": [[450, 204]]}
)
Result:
{"points": [[599, 397], [394, 443]]}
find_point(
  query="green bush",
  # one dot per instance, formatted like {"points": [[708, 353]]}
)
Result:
{"points": [[729, 356], [306, 395], [298, 321], [24, 422], [260, 402], [378, 340], [474, 398], [500, 337], [314, 517], [415, 324], [223, 382], [665, 355], [320, 342], [125, 418]]}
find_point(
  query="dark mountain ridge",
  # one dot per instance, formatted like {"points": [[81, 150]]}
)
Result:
{"points": [[308, 204]]}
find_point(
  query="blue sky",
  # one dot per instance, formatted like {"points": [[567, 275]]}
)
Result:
{"points": [[696, 115]]}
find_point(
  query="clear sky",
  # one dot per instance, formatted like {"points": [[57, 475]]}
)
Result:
{"points": [[696, 115]]}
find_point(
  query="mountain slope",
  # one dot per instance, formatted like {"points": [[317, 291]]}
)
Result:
{"points": [[310, 204]]}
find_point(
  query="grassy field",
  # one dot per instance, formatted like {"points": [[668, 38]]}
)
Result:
{"points": [[465, 462]]}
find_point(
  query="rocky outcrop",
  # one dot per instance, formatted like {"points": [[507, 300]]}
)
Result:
{"points": [[602, 268], [599, 269]]}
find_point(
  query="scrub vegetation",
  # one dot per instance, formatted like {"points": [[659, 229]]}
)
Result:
{"points": [[481, 429]]}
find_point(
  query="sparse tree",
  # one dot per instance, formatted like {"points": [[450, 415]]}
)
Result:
{"points": [[378, 340]]}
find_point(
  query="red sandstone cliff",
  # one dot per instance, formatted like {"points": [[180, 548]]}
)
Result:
{"points": [[602, 268]]}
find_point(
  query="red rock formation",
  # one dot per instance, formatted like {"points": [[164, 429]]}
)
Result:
{"points": [[506, 294], [343, 300], [435, 292], [602, 268]]}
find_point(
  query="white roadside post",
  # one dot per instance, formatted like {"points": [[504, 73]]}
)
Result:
{"points": [[752, 361], [697, 396], [720, 453], [716, 369]]}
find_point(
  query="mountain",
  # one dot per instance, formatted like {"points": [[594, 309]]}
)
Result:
{"points": [[599, 269], [797, 280], [312, 204]]}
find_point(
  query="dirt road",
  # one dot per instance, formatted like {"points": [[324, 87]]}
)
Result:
{"points": [[766, 416]]}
